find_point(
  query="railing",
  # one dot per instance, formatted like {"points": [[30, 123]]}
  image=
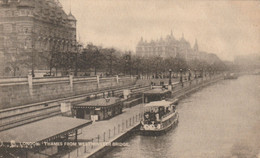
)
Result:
{"points": [[18, 80], [13, 81], [168, 114]]}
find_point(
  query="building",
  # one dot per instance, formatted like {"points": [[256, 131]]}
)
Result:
{"points": [[100, 109], [167, 47], [30, 31]]}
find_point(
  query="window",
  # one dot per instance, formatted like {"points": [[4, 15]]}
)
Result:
{"points": [[1, 28], [26, 30], [13, 27], [5, 1], [7, 69], [2, 42], [7, 28], [22, 12]]}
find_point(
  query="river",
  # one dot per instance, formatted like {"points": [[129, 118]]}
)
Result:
{"points": [[219, 121]]}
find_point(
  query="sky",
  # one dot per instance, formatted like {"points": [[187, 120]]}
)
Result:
{"points": [[225, 27]]}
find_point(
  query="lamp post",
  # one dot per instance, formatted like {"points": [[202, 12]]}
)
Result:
{"points": [[125, 64], [32, 58], [210, 71], [111, 62], [181, 79], [195, 70], [170, 78], [196, 77], [201, 73], [78, 47], [128, 63], [189, 77]]}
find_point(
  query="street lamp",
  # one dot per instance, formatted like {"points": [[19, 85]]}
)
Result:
{"points": [[189, 75], [181, 80], [170, 78], [210, 71], [32, 46], [128, 63], [111, 61], [78, 47], [201, 73], [195, 70]]}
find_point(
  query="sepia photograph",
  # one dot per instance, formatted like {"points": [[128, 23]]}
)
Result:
{"points": [[129, 78]]}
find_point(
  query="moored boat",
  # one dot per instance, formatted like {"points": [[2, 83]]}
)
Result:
{"points": [[159, 117], [230, 76], [156, 95]]}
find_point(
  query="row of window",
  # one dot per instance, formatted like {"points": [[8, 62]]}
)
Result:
{"points": [[160, 48], [12, 13], [28, 44], [13, 28], [151, 48]]}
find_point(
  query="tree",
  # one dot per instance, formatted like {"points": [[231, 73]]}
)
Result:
{"points": [[136, 62], [110, 59], [93, 57]]}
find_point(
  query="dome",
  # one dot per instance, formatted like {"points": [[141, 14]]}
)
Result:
{"points": [[71, 17]]}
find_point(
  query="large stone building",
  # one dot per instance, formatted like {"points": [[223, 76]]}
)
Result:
{"points": [[29, 31], [167, 47]]}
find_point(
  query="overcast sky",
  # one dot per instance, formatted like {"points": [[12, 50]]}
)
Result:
{"points": [[226, 28]]}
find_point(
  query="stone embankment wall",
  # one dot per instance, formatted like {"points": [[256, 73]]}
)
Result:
{"points": [[21, 91], [20, 115]]}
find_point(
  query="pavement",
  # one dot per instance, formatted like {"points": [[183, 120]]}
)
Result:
{"points": [[93, 135], [98, 128]]}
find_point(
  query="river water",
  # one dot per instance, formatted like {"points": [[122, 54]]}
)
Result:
{"points": [[219, 121]]}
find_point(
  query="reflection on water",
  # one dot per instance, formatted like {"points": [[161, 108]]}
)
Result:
{"points": [[220, 121]]}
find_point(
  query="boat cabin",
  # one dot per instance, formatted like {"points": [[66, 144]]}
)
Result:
{"points": [[156, 95], [100, 109]]}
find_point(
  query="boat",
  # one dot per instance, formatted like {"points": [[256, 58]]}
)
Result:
{"points": [[230, 76], [159, 117], [156, 94]]}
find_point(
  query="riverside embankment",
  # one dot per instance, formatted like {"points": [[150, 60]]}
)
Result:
{"points": [[100, 136], [221, 120]]}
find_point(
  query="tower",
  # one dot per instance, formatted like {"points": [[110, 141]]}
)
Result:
{"points": [[196, 47], [72, 20]]}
